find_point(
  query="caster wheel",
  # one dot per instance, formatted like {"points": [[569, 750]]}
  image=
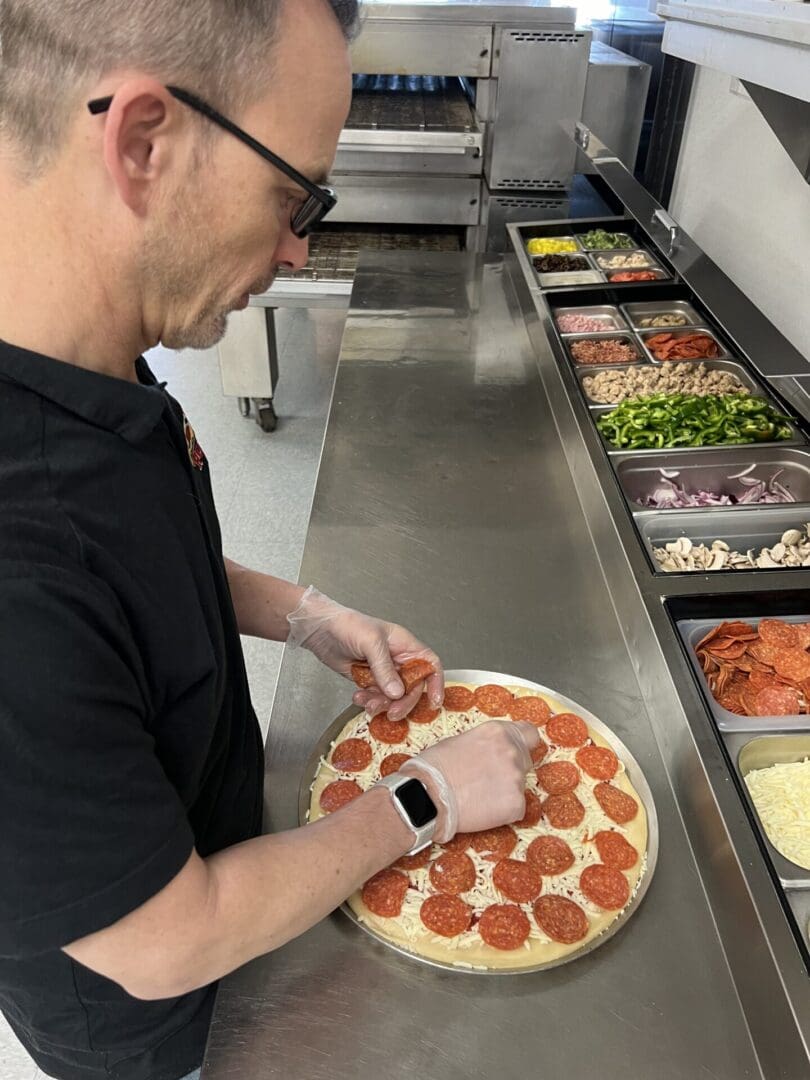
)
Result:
{"points": [[244, 407], [266, 418]]}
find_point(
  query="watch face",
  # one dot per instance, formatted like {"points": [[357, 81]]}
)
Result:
{"points": [[416, 802]]}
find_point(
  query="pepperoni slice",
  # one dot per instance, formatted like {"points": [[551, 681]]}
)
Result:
{"points": [[337, 794], [422, 713], [392, 763], [362, 676], [615, 851], [388, 731], [413, 672], [458, 698], [539, 752], [793, 664], [453, 872], [598, 761], [533, 812], [493, 700], [460, 842], [384, 894], [352, 755], [494, 844], [618, 805], [504, 926], [446, 915], [561, 919], [563, 811], [517, 880], [776, 701], [778, 633], [604, 886], [550, 855], [535, 710], [557, 777], [567, 729], [414, 862]]}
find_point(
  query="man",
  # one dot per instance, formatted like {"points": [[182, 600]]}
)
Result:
{"points": [[134, 875]]}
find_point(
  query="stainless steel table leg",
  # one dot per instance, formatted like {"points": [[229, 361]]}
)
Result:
{"points": [[248, 360]]}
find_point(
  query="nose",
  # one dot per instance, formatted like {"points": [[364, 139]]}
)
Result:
{"points": [[292, 252]]}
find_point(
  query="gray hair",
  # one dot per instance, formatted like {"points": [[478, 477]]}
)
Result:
{"points": [[51, 51]]}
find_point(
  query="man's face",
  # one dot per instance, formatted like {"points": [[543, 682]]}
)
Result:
{"points": [[221, 231]]}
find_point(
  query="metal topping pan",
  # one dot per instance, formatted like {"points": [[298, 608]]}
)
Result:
{"points": [[606, 315], [637, 312], [727, 366], [634, 774], [680, 332]]}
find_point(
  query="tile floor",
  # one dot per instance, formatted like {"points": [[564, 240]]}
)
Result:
{"points": [[263, 485]]}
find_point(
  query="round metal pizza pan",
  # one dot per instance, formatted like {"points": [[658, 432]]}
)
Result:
{"points": [[634, 774]]}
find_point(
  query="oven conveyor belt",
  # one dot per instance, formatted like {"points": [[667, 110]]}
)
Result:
{"points": [[333, 255], [410, 103]]}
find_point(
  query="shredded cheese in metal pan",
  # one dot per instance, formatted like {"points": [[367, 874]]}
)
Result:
{"points": [[781, 795]]}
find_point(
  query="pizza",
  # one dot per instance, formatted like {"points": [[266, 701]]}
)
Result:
{"points": [[518, 896]]}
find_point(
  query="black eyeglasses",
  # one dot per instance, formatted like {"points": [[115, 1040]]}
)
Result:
{"points": [[320, 199]]}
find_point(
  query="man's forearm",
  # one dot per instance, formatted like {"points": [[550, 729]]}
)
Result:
{"points": [[261, 601]]}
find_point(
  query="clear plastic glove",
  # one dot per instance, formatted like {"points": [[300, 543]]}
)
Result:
{"points": [[340, 637], [477, 779]]}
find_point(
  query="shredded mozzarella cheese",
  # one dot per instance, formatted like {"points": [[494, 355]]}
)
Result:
{"points": [[781, 795]]}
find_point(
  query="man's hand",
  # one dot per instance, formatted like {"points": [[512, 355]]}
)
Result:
{"points": [[340, 637]]}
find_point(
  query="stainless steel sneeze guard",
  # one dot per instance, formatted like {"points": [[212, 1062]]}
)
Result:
{"points": [[445, 501], [634, 773]]}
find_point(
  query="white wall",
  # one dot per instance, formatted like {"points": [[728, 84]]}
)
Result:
{"points": [[738, 194]]}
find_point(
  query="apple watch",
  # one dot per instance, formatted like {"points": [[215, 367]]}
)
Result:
{"points": [[414, 806]]}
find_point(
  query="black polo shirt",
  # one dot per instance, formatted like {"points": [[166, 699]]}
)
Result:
{"points": [[127, 736]]}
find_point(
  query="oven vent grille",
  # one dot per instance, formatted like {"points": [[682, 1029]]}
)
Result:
{"points": [[571, 37], [515, 202], [532, 185]]}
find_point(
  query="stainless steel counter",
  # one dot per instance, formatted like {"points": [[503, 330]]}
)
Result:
{"points": [[445, 501]]}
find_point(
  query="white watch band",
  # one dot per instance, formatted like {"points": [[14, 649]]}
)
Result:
{"points": [[423, 835]]}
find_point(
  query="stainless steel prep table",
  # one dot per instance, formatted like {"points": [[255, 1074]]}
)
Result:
{"points": [[445, 501]]}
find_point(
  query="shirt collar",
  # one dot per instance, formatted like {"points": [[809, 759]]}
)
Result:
{"points": [[131, 410]]}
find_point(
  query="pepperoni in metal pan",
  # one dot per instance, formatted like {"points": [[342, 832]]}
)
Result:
{"points": [[493, 700], [533, 812], [504, 926], [618, 805], [446, 915], [567, 729], [615, 851], [458, 698], [517, 880], [338, 794], [453, 872], [392, 763], [384, 894], [422, 712], [460, 842], [352, 755], [539, 752], [550, 855], [604, 886], [388, 731], [778, 633], [414, 862], [494, 844], [776, 701], [793, 665], [561, 919], [535, 710], [412, 672], [563, 811], [598, 761], [557, 776], [363, 676]]}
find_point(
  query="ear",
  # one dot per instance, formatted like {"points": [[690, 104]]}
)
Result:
{"points": [[142, 129]]}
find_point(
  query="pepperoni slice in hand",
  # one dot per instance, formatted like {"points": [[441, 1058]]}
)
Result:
{"points": [[422, 713], [539, 752], [446, 915], [604, 886], [460, 842], [561, 919], [352, 755], [618, 805], [415, 671], [458, 698], [557, 777], [563, 811], [337, 794], [598, 761], [453, 872], [567, 729], [362, 676], [533, 812], [393, 763], [535, 710], [494, 844], [388, 731], [517, 880], [493, 700], [615, 851], [550, 855], [504, 926], [384, 894], [414, 862]]}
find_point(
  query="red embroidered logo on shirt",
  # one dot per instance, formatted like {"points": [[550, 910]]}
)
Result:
{"points": [[195, 451]]}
